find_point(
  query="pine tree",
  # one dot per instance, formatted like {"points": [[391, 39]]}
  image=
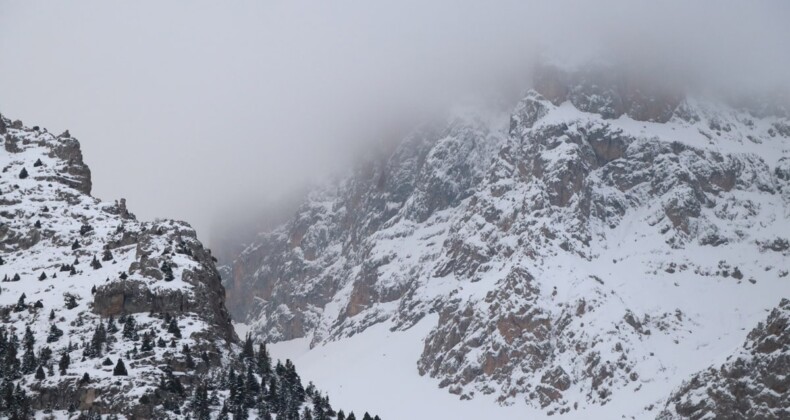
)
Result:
{"points": [[51, 314], [86, 379], [318, 407], [213, 399], [23, 174], [168, 272], [174, 329], [129, 328], [16, 277], [72, 270], [112, 328], [238, 393], [107, 255], [248, 351], [200, 403], [120, 369], [161, 343], [75, 245], [223, 413], [147, 344], [64, 362], [264, 362], [37, 163], [42, 277], [240, 413], [44, 355], [95, 264], [351, 416], [29, 357], [341, 415], [20, 304], [37, 225], [54, 333], [307, 414], [7, 396], [97, 341], [22, 408], [322, 410], [367, 416], [190, 362], [172, 384], [11, 365], [71, 301], [253, 387], [294, 382], [40, 373], [263, 412]]}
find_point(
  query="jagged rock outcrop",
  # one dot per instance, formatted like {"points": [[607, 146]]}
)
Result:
{"points": [[105, 315], [608, 91], [754, 383], [83, 262], [553, 248]]}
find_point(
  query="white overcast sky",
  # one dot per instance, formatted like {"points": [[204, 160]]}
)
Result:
{"points": [[191, 108]]}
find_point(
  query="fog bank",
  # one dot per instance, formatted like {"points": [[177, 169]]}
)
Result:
{"points": [[205, 111]]}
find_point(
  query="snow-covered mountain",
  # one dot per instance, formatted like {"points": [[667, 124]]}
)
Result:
{"points": [[753, 383], [582, 254], [106, 315]]}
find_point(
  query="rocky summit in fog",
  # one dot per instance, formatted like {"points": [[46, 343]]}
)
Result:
{"points": [[104, 315], [606, 244]]}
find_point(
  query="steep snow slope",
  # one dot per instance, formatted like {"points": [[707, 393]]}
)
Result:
{"points": [[585, 255]]}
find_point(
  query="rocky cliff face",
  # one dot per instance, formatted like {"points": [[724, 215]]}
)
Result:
{"points": [[71, 262], [566, 251], [753, 383]]}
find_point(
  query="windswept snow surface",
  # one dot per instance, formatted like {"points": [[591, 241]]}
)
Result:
{"points": [[375, 371]]}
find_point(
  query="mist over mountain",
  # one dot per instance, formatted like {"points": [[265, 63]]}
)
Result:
{"points": [[245, 102], [444, 209]]}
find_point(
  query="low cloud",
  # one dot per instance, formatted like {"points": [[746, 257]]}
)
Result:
{"points": [[207, 111]]}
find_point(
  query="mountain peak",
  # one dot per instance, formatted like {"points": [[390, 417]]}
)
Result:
{"points": [[515, 242], [111, 315]]}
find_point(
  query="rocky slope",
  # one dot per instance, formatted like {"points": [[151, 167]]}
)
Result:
{"points": [[601, 240], [62, 245], [753, 383], [104, 314]]}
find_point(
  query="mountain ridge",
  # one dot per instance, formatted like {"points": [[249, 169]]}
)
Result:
{"points": [[517, 235], [105, 315]]}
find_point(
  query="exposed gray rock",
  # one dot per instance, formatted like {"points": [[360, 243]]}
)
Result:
{"points": [[478, 209], [50, 231], [754, 383]]}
